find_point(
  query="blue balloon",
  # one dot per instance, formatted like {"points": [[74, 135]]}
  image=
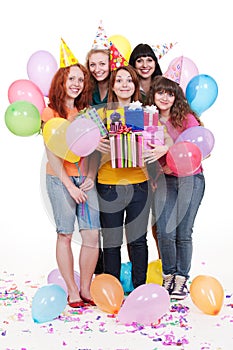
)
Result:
{"points": [[48, 302], [126, 277], [201, 93]]}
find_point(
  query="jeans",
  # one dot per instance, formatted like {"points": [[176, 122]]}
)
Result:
{"points": [[175, 206], [125, 206]]}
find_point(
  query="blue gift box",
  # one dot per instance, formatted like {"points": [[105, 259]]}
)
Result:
{"points": [[134, 118]]}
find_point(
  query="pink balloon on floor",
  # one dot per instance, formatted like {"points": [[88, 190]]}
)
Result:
{"points": [[146, 304], [56, 278]]}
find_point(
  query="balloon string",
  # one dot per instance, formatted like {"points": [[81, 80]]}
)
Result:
{"points": [[84, 204]]}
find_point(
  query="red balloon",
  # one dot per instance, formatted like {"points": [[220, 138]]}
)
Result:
{"points": [[184, 158]]}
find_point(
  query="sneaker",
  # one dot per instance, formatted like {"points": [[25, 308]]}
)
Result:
{"points": [[180, 289], [168, 281]]}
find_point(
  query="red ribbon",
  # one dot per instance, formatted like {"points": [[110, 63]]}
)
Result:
{"points": [[123, 129]]}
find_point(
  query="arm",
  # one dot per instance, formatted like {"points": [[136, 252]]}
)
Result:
{"points": [[57, 165], [157, 151]]}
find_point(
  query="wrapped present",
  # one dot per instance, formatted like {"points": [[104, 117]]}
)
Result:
{"points": [[153, 134], [91, 113], [151, 116], [115, 119], [126, 149], [134, 118]]}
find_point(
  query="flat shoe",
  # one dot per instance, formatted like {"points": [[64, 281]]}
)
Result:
{"points": [[75, 304], [87, 301]]}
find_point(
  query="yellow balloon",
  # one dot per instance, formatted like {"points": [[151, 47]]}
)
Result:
{"points": [[122, 44], [207, 294], [154, 272], [54, 134]]}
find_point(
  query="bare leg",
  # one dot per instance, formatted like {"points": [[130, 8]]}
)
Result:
{"points": [[65, 263], [88, 258]]}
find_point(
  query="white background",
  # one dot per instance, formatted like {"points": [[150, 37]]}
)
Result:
{"points": [[203, 32]]}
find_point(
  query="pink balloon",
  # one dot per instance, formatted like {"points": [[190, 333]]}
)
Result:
{"points": [[188, 70], [145, 304], [26, 90], [184, 158], [41, 68], [82, 136], [201, 137], [56, 278]]}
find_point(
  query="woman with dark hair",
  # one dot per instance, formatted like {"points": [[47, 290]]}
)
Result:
{"points": [[144, 60]]}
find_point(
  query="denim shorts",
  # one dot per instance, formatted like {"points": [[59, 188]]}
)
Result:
{"points": [[65, 209]]}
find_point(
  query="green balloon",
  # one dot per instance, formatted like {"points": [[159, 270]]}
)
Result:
{"points": [[22, 118]]}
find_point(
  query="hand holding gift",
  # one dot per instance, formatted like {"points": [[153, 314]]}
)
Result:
{"points": [[156, 152]]}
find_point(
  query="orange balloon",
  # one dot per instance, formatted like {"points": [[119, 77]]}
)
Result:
{"points": [[107, 293], [207, 294]]}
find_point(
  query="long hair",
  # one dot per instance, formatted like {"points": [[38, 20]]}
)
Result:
{"points": [[180, 108], [144, 50], [57, 91], [112, 98]]}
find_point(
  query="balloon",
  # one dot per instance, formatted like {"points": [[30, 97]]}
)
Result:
{"points": [[146, 304], [126, 277], [122, 44], [201, 137], [154, 272], [56, 278], [22, 118], [82, 136], [207, 294], [184, 158], [48, 302], [41, 68], [107, 293], [201, 93], [54, 134], [188, 70], [26, 90]]}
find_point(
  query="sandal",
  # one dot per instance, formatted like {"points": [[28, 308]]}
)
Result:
{"points": [[87, 301], [75, 304]]}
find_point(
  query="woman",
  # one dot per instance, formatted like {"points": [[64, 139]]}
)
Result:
{"points": [[97, 62], [177, 198], [124, 194], [71, 188], [144, 60]]}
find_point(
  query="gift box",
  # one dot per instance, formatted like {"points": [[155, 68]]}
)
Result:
{"points": [[153, 134], [126, 149], [91, 113], [150, 118], [134, 118], [115, 119]]}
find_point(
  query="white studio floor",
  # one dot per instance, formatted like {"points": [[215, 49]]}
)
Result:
{"points": [[183, 327]]}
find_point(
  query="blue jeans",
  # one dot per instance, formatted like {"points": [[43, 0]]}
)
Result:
{"points": [[125, 206], [175, 206]]}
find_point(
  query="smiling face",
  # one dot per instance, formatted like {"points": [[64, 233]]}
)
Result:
{"points": [[75, 82], [145, 67], [123, 86], [99, 65]]}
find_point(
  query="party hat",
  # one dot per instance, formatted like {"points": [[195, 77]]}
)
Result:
{"points": [[101, 39], [161, 49], [174, 70], [116, 58], [66, 56]]}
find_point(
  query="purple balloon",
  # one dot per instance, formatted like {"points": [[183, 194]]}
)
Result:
{"points": [[145, 305], [202, 137], [41, 68], [56, 278]]}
